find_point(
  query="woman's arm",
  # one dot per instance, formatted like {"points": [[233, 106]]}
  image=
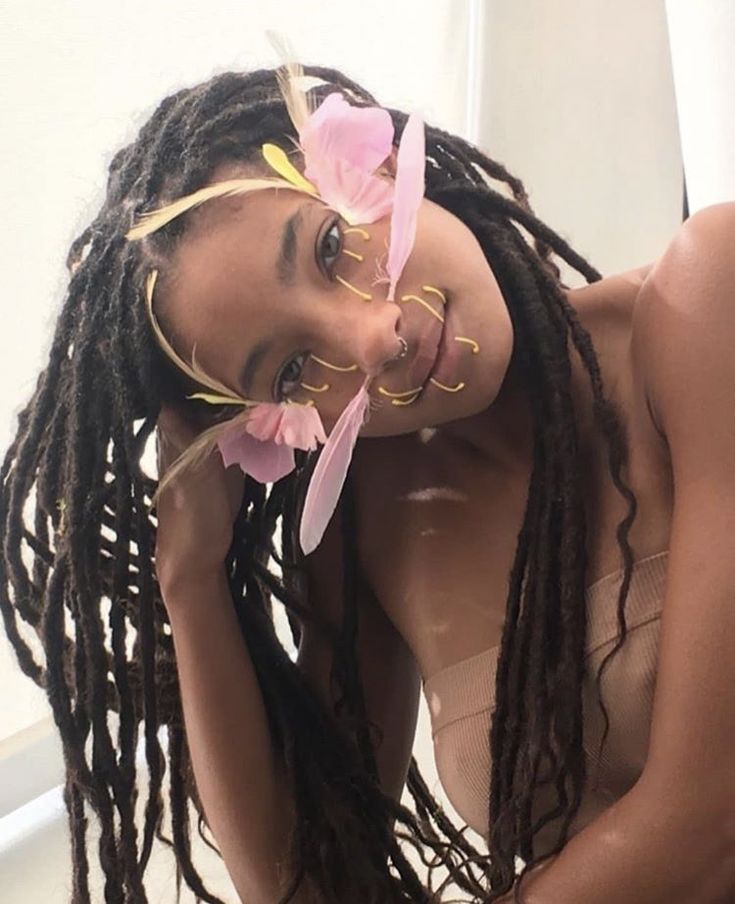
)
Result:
{"points": [[238, 777]]}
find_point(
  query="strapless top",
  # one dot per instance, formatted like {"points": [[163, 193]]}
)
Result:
{"points": [[461, 697]]}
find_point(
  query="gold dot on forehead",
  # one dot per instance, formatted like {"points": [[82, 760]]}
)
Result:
{"points": [[322, 388], [436, 292], [358, 257], [363, 232], [475, 346], [364, 295], [343, 370], [397, 395], [447, 388], [425, 304]]}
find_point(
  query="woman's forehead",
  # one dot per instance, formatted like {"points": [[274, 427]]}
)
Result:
{"points": [[244, 242]]}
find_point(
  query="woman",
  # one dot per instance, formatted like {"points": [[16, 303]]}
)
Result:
{"points": [[517, 440]]}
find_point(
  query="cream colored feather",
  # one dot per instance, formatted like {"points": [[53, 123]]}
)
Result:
{"points": [[299, 104], [193, 371], [196, 453], [153, 220]]}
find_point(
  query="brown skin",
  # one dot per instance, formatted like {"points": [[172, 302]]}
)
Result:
{"points": [[426, 499], [222, 292]]}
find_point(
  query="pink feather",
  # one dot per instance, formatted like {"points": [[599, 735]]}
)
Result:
{"points": [[409, 190], [331, 470]]}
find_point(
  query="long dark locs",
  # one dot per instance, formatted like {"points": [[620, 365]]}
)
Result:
{"points": [[79, 537]]}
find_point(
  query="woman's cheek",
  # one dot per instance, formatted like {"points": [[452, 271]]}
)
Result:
{"points": [[329, 391]]}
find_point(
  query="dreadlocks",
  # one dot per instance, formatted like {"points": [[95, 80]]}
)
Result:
{"points": [[79, 536]]}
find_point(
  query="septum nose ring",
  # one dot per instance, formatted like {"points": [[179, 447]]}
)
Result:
{"points": [[404, 349]]}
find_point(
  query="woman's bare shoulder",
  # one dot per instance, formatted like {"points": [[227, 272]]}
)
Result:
{"points": [[684, 281]]}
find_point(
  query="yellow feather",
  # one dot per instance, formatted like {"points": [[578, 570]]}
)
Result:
{"points": [[278, 160]]}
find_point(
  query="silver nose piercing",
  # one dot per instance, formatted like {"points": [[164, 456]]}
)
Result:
{"points": [[404, 349]]}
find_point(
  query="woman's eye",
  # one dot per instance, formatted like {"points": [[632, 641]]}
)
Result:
{"points": [[330, 246], [289, 378]]}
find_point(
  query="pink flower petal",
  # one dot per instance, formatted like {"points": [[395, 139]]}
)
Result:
{"points": [[342, 146], [264, 460], [357, 196], [361, 137], [263, 444], [409, 190], [264, 420], [301, 427]]}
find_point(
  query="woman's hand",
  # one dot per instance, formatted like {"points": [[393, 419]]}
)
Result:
{"points": [[195, 511]]}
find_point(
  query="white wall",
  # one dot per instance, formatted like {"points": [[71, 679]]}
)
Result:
{"points": [[576, 98], [579, 103], [702, 37]]}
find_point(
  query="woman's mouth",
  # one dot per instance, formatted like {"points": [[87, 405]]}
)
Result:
{"points": [[428, 345]]}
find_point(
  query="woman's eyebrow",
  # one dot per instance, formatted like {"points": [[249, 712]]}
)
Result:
{"points": [[252, 363], [288, 250]]}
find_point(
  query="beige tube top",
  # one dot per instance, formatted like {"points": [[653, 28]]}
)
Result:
{"points": [[461, 697]]}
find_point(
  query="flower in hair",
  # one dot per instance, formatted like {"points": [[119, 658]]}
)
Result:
{"points": [[343, 146]]}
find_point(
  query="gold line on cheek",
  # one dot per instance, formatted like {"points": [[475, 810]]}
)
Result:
{"points": [[425, 304], [358, 257], [475, 346], [397, 395], [436, 292], [363, 232], [334, 366], [447, 388], [364, 295], [403, 402], [322, 388]]}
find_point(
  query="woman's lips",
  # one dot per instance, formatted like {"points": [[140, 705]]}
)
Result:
{"points": [[429, 342]]}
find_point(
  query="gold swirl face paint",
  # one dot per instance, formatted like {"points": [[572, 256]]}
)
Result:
{"points": [[322, 388], [407, 397], [397, 395], [475, 346], [403, 402], [333, 366], [358, 229], [366, 296], [426, 304], [447, 388], [358, 257], [431, 289]]}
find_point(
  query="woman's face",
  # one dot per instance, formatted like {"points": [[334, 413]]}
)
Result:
{"points": [[271, 287]]}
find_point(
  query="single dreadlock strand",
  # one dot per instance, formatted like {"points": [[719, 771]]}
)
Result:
{"points": [[78, 829]]}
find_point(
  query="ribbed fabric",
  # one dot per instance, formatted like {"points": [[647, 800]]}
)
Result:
{"points": [[461, 697]]}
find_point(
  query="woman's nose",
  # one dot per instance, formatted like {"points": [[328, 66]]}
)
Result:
{"points": [[369, 335]]}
